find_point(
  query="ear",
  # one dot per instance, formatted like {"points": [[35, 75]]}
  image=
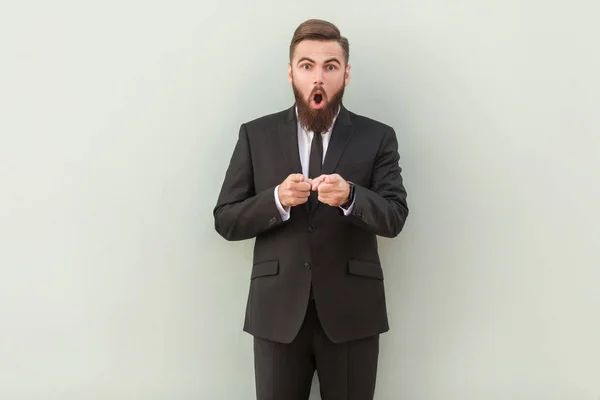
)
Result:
{"points": [[347, 75], [290, 72]]}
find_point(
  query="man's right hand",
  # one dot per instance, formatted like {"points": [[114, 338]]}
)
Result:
{"points": [[294, 190]]}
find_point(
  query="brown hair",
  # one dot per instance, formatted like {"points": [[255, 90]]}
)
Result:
{"points": [[317, 29]]}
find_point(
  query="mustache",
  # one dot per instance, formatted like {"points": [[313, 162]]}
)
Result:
{"points": [[317, 89]]}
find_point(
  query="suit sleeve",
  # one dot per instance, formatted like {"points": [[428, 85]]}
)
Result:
{"points": [[382, 207], [240, 212]]}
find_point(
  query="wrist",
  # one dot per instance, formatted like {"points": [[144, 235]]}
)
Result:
{"points": [[281, 201], [350, 195]]}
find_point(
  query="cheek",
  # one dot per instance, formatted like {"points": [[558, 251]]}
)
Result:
{"points": [[337, 81], [303, 88], [334, 88], [302, 82]]}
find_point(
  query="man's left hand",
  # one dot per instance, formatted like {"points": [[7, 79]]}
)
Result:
{"points": [[333, 189]]}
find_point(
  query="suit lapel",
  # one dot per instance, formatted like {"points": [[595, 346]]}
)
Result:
{"points": [[288, 136], [340, 136]]}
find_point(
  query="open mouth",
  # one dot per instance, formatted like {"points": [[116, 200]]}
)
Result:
{"points": [[318, 98]]}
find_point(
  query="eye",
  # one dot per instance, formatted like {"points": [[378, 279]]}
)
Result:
{"points": [[305, 66], [331, 67]]}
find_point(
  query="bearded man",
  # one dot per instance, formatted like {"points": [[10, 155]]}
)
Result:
{"points": [[314, 185]]}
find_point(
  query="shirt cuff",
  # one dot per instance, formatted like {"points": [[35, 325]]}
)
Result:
{"points": [[284, 212], [348, 210]]}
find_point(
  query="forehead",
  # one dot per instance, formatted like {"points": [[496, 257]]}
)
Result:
{"points": [[318, 50]]}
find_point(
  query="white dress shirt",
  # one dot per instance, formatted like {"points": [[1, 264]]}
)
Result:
{"points": [[304, 144]]}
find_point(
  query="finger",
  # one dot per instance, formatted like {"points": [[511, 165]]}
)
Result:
{"points": [[298, 200], [293, 193], [326, 188], [302, 186], [332, 178], [296, 177], [324, 199], [302, 195], [317, 181]]}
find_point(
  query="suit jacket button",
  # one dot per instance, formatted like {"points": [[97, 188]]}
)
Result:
{"points": [[307, 265], [311, 228]]}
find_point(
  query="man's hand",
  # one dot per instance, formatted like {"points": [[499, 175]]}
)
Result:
{"points": [[294, 190], [333, 189]]}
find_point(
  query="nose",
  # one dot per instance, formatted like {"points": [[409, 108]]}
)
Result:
{"points": [[318, 76]]}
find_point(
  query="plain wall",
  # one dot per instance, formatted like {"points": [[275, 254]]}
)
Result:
{"points": [[117, 121]]}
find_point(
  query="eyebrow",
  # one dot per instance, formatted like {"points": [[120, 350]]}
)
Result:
{"points": [[333, 60], [329, 60], [305, 59]]}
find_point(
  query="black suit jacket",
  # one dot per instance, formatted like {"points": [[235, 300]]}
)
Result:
{"points": [[334, 253]]}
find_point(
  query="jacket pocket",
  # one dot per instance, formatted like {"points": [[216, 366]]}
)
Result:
{"points": [[265, 268], [367, 269]]}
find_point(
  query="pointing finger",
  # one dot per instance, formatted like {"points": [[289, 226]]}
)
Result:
{"points": [[317, 181]]}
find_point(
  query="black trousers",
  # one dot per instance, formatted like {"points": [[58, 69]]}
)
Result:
{"points": [[346, 371]]}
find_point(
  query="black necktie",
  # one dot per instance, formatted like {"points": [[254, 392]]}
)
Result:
{"points": [[314, 164], [316, 156]]}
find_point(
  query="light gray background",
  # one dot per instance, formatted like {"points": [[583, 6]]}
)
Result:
{"points": [[118, 119]]}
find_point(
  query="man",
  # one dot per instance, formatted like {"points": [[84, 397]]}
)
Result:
{"points": [[315, 185]]}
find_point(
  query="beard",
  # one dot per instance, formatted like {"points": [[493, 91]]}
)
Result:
{"points": [[317, 120]]}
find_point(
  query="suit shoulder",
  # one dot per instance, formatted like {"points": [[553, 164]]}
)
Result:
{"points": [[268, 120], [374, 131], [370, 123]]}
